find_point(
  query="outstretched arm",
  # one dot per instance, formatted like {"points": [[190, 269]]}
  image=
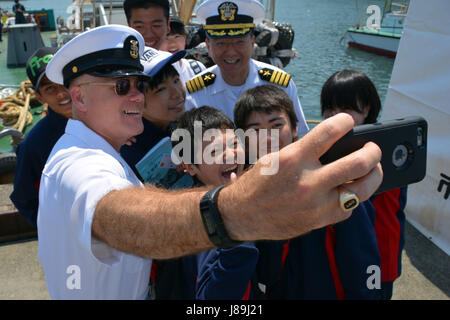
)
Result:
{"points": [[301, 196]]}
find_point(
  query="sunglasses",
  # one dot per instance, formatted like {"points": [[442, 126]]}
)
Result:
{"points": [[122, 86]]}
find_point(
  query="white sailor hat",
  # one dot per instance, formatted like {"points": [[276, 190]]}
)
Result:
{"points": [[154, 60], [225, 19], [109, 51]]}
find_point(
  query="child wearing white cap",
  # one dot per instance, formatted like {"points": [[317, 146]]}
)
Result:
{"points": [[164, 102]]}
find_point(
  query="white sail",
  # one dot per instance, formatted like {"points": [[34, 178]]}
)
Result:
{"points": [[420, 85]]}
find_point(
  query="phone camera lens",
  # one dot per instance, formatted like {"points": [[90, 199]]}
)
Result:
{"points": [[400, 155]]}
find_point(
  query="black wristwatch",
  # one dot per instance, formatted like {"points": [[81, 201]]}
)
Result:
{"points": [[213, 220]]}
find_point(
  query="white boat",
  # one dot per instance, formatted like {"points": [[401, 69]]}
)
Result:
{"points": [[419, 86], [382, 32]]}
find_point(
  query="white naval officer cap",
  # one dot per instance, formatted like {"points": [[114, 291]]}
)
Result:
{"points": [[108, 51], [154, 60], [226, 19]]}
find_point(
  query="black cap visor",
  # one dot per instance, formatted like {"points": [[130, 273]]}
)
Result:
{"points": [[117, 61], [117, 73]]}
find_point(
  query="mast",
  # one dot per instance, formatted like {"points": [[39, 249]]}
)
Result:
{"points": [[187, 7], [387, 7], [270, 9]]}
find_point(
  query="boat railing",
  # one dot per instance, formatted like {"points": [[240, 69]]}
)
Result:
{"points": [[14, 133]]}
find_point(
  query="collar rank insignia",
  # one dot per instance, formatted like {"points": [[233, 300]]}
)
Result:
{"points": [[277, 77], [200, 82]]}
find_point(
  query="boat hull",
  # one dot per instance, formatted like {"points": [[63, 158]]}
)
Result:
{"points": [[382, 43]]}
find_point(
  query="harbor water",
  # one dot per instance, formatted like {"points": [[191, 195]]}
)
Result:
{"points": [[319, 26]]}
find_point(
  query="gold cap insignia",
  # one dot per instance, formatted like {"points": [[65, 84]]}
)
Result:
{"points": [[134, 49], [227, 11]]}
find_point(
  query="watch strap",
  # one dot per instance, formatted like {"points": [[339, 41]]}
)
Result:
{"points": [[212, 220]]}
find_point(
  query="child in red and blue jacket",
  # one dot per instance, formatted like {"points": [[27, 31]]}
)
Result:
{"points": [[353, 92]]}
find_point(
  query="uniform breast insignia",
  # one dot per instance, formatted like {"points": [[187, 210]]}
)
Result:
{"points": [[195, 67], [200, 82], [277, 77]]}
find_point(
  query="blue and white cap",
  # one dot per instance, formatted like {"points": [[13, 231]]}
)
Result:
{"points": [[154, 60], [227, 19], [109, 51]]}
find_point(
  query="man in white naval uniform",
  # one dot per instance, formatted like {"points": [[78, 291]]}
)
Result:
{"points": [[230, 40], [99, 228]]}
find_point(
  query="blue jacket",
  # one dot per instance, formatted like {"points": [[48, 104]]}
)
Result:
{"points": [[227, 273], [32, 154], [333, 262], [247, 271]]}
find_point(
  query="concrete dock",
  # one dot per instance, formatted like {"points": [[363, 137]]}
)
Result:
{"points": [[425, 276]]}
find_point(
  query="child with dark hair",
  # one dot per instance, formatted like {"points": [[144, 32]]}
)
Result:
{"points": [[150, 18], [164, 103], [175, 41], [223, 273], [266, 107], [33, 151], [218, 160], [351, 91], [308, 265], [180, 278]]}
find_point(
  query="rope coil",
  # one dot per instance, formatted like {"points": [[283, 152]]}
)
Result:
{"points": [[15, 109]]}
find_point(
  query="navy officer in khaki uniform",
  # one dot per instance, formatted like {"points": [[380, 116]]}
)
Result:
{"points": [[229, 37]]}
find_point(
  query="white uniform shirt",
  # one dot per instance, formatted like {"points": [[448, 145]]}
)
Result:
{"points": [[222, 96], [188, 71], [81, 169]]}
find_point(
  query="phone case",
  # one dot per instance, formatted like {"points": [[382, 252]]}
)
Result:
{"points": [[403, 143]]}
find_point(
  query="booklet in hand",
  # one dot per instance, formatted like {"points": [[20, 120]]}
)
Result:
{"points": [[157, 168]]}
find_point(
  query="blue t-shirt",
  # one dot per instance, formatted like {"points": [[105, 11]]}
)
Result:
{"points": [[32, 154]]}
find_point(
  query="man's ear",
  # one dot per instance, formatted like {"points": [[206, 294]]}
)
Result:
{"points": [[78, 98], [207, 45]]}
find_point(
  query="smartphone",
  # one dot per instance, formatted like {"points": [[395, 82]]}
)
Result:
{"points": [[403, 143]]}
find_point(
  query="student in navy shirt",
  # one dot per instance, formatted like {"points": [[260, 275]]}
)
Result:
{"points": [[33, 151], [336, 262], [308, 264], [252, 270], [221, 273], [185, 277], [351, 91], [270, 108], [164, 103]]}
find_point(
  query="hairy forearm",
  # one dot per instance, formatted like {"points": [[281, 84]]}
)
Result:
{"points": [[152, 223]]}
